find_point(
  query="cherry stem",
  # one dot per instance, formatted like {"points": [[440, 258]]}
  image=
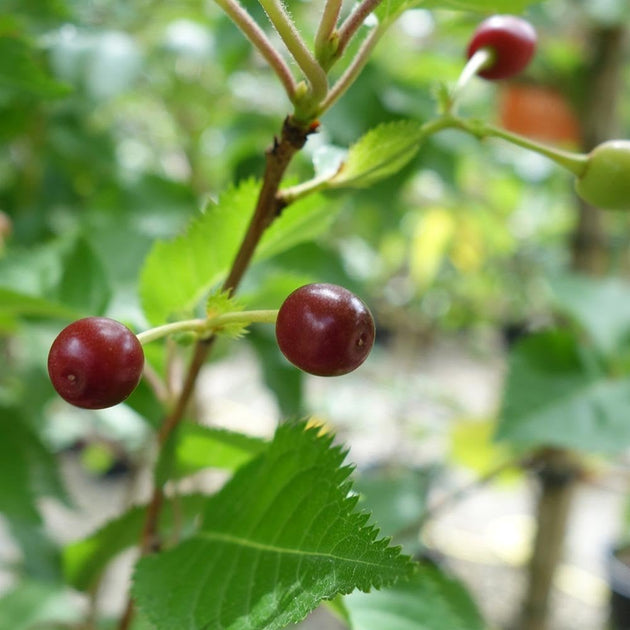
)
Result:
{"points": [[573, 162], [353, 70], [353, 22], [267, 209], [326, 28], [203, 327], [259, 39], [313, 72], [299, 191], [480, 60]]}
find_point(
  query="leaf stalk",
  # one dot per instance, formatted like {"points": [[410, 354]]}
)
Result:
{"points": [[259, 39], [285, 27]]}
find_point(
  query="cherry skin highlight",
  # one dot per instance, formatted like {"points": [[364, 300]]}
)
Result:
{"points": [[512, 42], [324, 329], [95, 362]]}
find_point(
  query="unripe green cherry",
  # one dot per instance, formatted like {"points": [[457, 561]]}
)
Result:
{"points": [[605, 182]]}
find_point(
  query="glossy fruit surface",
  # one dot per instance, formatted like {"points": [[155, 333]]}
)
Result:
{"points": [[512, 42], [606, 181], [325, 329], [95, 362]]}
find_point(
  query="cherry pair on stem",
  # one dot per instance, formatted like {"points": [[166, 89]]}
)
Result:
{"points": [[323, 329]]}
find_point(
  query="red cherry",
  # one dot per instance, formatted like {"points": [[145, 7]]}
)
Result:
{"points": [[512, 42], [324, 329], [95, 362]]}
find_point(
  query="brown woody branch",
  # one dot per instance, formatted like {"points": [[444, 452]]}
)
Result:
{"points": [[268, 207]]}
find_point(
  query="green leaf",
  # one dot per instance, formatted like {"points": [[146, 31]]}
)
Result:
{"points": [[84, 284], [281, 536], [41, 556], [600, 306], [31, 604], [431, 600], [84, 560], [178, 273], [200, 447], [301, 222], [194, 447], [390, 9], [13, 302], [556, 396], [381, 152], [26, 469], [221, 303], [21, 75], [485, 6]]}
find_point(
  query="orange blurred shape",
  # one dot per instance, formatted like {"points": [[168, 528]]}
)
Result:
{"points": [[538, 112]]}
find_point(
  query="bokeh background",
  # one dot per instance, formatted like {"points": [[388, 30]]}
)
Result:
{"points": [[120, 120]]}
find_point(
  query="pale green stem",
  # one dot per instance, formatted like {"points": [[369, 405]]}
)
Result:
{"points": [[354, 21], [187, 325], [258, 38], [207, 326], [299, 191], [265, 316], [479, 60], [353, 70], [573, 162], [326, 28], [313, 72], [293, 193]]}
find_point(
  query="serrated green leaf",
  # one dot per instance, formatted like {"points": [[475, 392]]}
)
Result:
{"points": [[600, 306], [381, 152], [178, 273], [221, 303], [431, 600], [281, 536], [554, 398], [84, 560]]}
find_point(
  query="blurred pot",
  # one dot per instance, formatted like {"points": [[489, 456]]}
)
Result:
{"points": [[619, 585]]}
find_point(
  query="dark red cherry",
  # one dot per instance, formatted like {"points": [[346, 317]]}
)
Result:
{"points": [[510, 39], [325, 329], [95, 362]]}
